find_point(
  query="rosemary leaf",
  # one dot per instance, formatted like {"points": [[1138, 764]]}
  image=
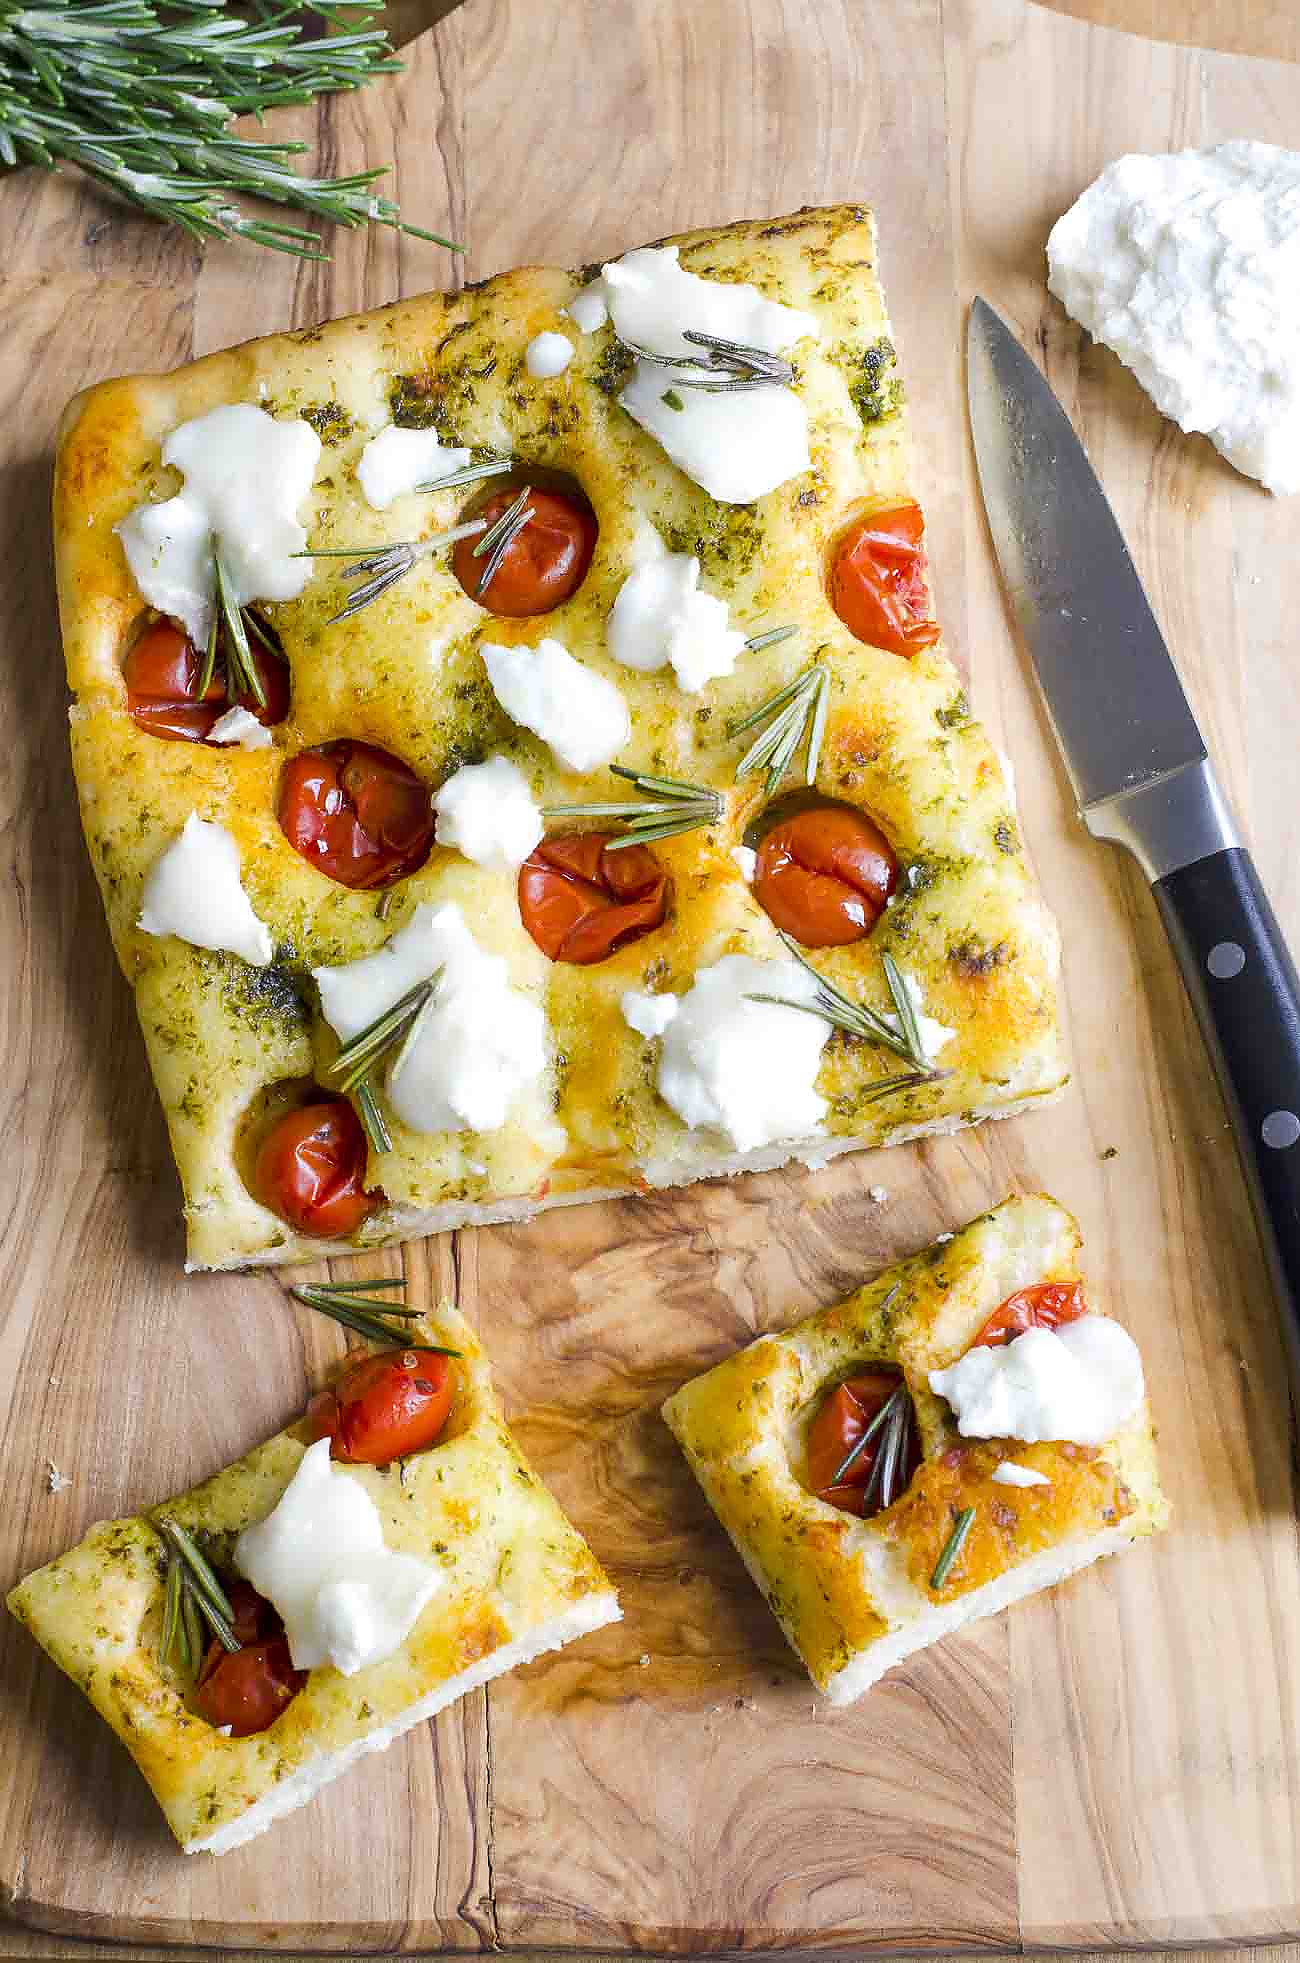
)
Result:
{"points": [[952, 1547], [362, 1321], [904, 1007], [472, 473], [199, 1580], [193, 1642], [795, 714], [883, 1416], [362, 1054], [241, 670], [208, 669], [171, 1622], [373, 1122], [769, 638], [513, 522], [668, 808]]}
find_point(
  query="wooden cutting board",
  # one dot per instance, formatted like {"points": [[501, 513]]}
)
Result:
{"points": [[1117, 1763]]}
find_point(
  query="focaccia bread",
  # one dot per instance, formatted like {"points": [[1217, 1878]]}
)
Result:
{"points": [[231, 1039], [855, 1596], [516, 1580]]}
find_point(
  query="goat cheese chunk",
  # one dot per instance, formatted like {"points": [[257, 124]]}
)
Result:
{"points": [[487, 811], [735, 447], [397, 461], [194, 892], [588, 309], [648, 1014], [1080, 1382], [1008, 1473], [547, 355], [1187, 265], [581, 715], [241, 727], [476, 1046], [741, 1067], [660, 617], [246, 476], [346, 1598], [653, 300]]}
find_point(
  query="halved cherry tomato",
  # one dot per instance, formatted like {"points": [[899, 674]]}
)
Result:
{"points": [[546, 563], [311, 1170], [580, 901], [384, 1407], [162, 675], [248, 1688], [878, 581], [1045, 1306], [824, 875], [844, 1416], [356, 813]]}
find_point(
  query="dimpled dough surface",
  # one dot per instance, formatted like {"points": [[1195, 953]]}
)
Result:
{"points": [[407, 674]]}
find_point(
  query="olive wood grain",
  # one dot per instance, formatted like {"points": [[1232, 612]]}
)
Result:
{"points": [[1118, 1763]]}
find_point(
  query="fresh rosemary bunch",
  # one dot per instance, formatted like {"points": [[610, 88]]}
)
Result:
{"points": [[143, 96]]}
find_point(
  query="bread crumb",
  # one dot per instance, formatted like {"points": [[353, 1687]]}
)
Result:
{"points": [[55, 1382], [55, 1480], [878, 1193], [643, 1662]]}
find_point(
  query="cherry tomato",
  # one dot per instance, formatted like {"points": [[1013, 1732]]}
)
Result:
{"points": [[162, 675], [580, 901], [1045, 1306], [385, 1407], [546, 563], [824, 875], [356, 813], [311, 1170], [878, 581], [248, 1689], [844, 1416]]}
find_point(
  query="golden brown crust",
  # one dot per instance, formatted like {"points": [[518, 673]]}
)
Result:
{"points": [[839, 1585], [407, 674]]}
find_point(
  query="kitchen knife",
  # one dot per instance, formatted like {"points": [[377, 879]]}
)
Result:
{"points": [[1139, 767]]}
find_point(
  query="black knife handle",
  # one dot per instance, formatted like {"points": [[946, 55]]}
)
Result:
{"points": [[1244, 989]]}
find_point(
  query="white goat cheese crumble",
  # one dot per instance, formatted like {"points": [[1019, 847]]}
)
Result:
{"points": [[194, 892], [1008, 1473], [660, 616], [1080, 1382], [241, 727], [487, 811], [581, 715], [397, 460], [547, 355]]}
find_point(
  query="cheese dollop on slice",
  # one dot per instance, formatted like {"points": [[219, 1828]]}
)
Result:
{"points": [[588, 309], [487, 811], [395, 461], [1187, 265], [319, 1556], [479, 1042], [242, 727], [735, 447], [582, 716], [547, 355], [648, 1014], [745, 1068], [652, 299], [194, 892], [660, 616], [1080, 1382], [1008, 1473], [245, 477]]}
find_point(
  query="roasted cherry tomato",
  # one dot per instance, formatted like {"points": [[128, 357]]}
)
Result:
{"points": [[580, 900], [545, 564], [1045, 1306], [311, 1170], [844, 1416], [878, 581], [162, 674], [248, 1688], [356, 813], [824, 875], [384, 1407]]}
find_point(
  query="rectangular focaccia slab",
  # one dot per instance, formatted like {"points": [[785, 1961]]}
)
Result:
{"points": [[856, 1596], [407, 674], [518, 1580]]}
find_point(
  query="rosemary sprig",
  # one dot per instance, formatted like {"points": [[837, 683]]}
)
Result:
{"points": [[952, 1547], [884, 1416], [724, 368], [674, 807], [143, 99], [373, 1122], [241, 669], [343, 1304], [794, 714], [357, 1064], [499, 538], [385, 564], [193, 1595], [856, 1019]]}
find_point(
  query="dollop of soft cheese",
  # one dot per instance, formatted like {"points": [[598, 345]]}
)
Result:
{"points": [[1008, 1473], [652, 300], [648, 1014], [479, 1042], [1080, 1382], [245, 477], [242, 727], [588, 310], [581, 715], [487, 811], [547, 355], [745, 1068], [746, 861], [660, 616], [194, 892], [735, 447], [397, 460], [1187, 265], [320, 1557]]}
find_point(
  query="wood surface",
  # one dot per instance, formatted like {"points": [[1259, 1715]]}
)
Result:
{"points": [[1115, 1764]]}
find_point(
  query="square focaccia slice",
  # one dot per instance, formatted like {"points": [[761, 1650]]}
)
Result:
{"points": [[860, 1577], [756, 576], [509, 1577]]}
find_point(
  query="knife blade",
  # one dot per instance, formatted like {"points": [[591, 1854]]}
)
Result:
{"points": [[1141, 774]]}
